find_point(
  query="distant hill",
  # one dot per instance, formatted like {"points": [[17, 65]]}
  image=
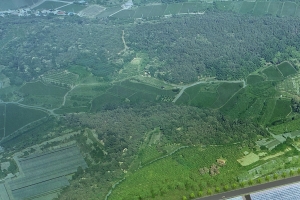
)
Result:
{"points": [[15, 4]]}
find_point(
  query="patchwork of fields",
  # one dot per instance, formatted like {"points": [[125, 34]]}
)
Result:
{"points": [[275, 8]]}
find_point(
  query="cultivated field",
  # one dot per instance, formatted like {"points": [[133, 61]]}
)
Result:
{"points": [[286, 69], [73, 8], [91, 11], [131, 92], [273, 73], [50, 5], [253, 79], [62, 78], [248, 159], [45, 95]]}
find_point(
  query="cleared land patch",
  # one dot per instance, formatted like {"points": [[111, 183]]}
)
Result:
{"points": [[50, 5], [38, 93], [253, 79], [91, 11], [275, 8], [281, 110], [286, 69], [247, 7], [288, 8], [248, 159], [261, 7], [225, 92], [201, 95], [62, 78], [173, 9], [73, 8], [273, 73]]}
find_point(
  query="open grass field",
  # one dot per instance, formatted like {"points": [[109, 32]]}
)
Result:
{"points": [[73, 8], [157, 10], [50, 5], [281, 110], [261, 7], [142, 11], [288, 8], [286, 69], [267, 111], [225, 92], [189, 8], [275, 8], [161, 180], [38, 93], [224, 5], [248, 159], [253, 79], [288, 126], [173, 9], [247, 7], [108, 11], [124, 14], [131, 92], [273, 73], [63, 78], [39, 88], [17, 117], [202, 95]]}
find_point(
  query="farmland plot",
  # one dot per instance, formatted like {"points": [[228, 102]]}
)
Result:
{"points": [[63, 78], [224, 5], [288, 9], [225, 92], [142, 11], [275, 8], [286, 69], [253, 79], [124, 14], [173, 9], [261, 7], [16, 117], [273, 73], [189, 8], [247, 7], [157, 10], [50, 5], [73, 8], [281, 110]]}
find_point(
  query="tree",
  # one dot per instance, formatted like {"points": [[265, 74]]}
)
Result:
{"points": [[283, 174], [292, 173], [234, 186], [217, 189], [226, 187], [209, 191], [192, 195], [267, 178], [200, 193], [250, 182], [275, 176], [184, 198]]}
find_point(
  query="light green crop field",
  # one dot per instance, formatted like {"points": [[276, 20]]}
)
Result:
{"points": [[225, 92], [281, 110], [286, 69], [273, 73], [50, 5], [73, 8], [247, 7], [173, 9], [288, 9], [275, 8], [261, 7], [254, 79]]}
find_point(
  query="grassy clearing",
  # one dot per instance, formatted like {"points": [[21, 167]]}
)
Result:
{"points": [[286, 69], [161, 180], [142, 11], [50, 5], [261, 7], [281, 110], [62, 78], [189, 8], [108, 11], [39, 88], [273, 73], [81, 71], [267, 111], [288, 9], [253, 79], [124, 14], [224, 5], [225, 92], [17, 117], [248, 159], [275, 8], [202, 95], [76, 8], [247, 7], [173, 9], [286, 127], [40, 94], [157, 10]]}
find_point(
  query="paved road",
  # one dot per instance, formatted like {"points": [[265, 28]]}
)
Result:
{"points": [[252, 189]]}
